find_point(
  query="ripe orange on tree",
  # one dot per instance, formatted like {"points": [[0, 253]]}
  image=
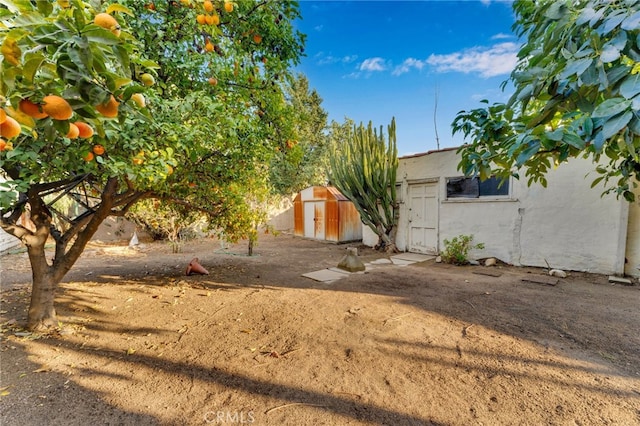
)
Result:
{"points": [[10, 128], [208, 46], [257, 38], [84, 130], [57, 107], [88, 156], [110, 108], [147, 79], [212, 19], [31, 109], [213, 81], [208, 6], [3, 115], [108, 22], [228, 6], [139, 99], [73, 131], [98, 149], [201, 19]]}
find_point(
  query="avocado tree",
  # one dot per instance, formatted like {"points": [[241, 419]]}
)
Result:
{"points": [[112, 103], [363, 168], [577, 94]]}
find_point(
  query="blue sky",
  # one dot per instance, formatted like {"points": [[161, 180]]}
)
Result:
{"points": [[373, 60]]}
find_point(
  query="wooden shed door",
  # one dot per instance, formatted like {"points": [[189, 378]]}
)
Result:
{"points": [[423, 218], [314, 219]]}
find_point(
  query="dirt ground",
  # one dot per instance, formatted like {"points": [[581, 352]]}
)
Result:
{"points": [[254, 342]]}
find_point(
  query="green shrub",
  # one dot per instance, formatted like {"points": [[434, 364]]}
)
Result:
{"points": [[456, 250]]}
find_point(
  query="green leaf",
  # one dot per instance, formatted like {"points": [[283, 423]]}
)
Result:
{"points": [[555, 135], [528, 153], [610, 107], [615, 124], [589, 14], [114, 7], [630, 87], [609, 54], [611, 22], [631, 23], [96, 34], [575, 67], [31, 67], [557, 10]]}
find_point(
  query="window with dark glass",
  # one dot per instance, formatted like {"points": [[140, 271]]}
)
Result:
{"points": [[472, 187]]}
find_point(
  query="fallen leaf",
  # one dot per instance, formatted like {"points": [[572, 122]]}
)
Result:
{"points": [[130, 351], [42, 369]]}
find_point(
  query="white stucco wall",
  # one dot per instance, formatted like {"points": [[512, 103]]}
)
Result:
{"points": [[632, 267], [568, 224]]}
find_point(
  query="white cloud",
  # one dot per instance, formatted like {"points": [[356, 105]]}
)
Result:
{"points": [[318, 27], [488, 62], [501, 36], [407, 65], [322, 59], [373, 64]]}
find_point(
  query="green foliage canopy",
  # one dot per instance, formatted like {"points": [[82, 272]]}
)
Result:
{"points": [[202, 142], [577, 94]]}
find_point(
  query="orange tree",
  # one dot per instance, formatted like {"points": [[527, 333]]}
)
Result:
{"points": [[112, 103]]}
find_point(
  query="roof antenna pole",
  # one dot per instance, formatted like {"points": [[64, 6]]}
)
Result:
{"points": [[435, 123]]}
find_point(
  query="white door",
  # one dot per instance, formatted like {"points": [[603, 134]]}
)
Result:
{"points": [[314, 219], [423, 218]]}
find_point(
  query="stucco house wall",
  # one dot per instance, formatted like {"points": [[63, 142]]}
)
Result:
{"points": [[632, 265], [567, 224]]}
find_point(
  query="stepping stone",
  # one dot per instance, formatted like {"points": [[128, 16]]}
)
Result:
{"points": [[381, 261], [414, 257], [326, 275], [401, 262]]}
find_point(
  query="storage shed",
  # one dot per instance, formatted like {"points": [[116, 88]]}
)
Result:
{"points": [[323, 213]]}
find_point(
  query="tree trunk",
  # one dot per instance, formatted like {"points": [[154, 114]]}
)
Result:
{"points": [[42, 313], [385, 241]]}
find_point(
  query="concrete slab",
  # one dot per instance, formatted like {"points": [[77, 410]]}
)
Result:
{"points": [[382, 261], [326, 275], [342, 271], [401, 262], [620, 280], [414, 257]]}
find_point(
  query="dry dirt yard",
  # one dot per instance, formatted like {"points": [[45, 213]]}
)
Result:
{"points": [[254, 342]]}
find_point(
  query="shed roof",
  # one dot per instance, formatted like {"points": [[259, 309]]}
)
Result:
{"points": [[320, 193]]}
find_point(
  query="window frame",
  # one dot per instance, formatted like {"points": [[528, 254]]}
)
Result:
{"points": [[499, 195]]}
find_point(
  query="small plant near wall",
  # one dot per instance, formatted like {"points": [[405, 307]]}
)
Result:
{"points": [[456, 250]]}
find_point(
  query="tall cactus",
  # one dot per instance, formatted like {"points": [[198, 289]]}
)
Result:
{"points": [[363, 168]]}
